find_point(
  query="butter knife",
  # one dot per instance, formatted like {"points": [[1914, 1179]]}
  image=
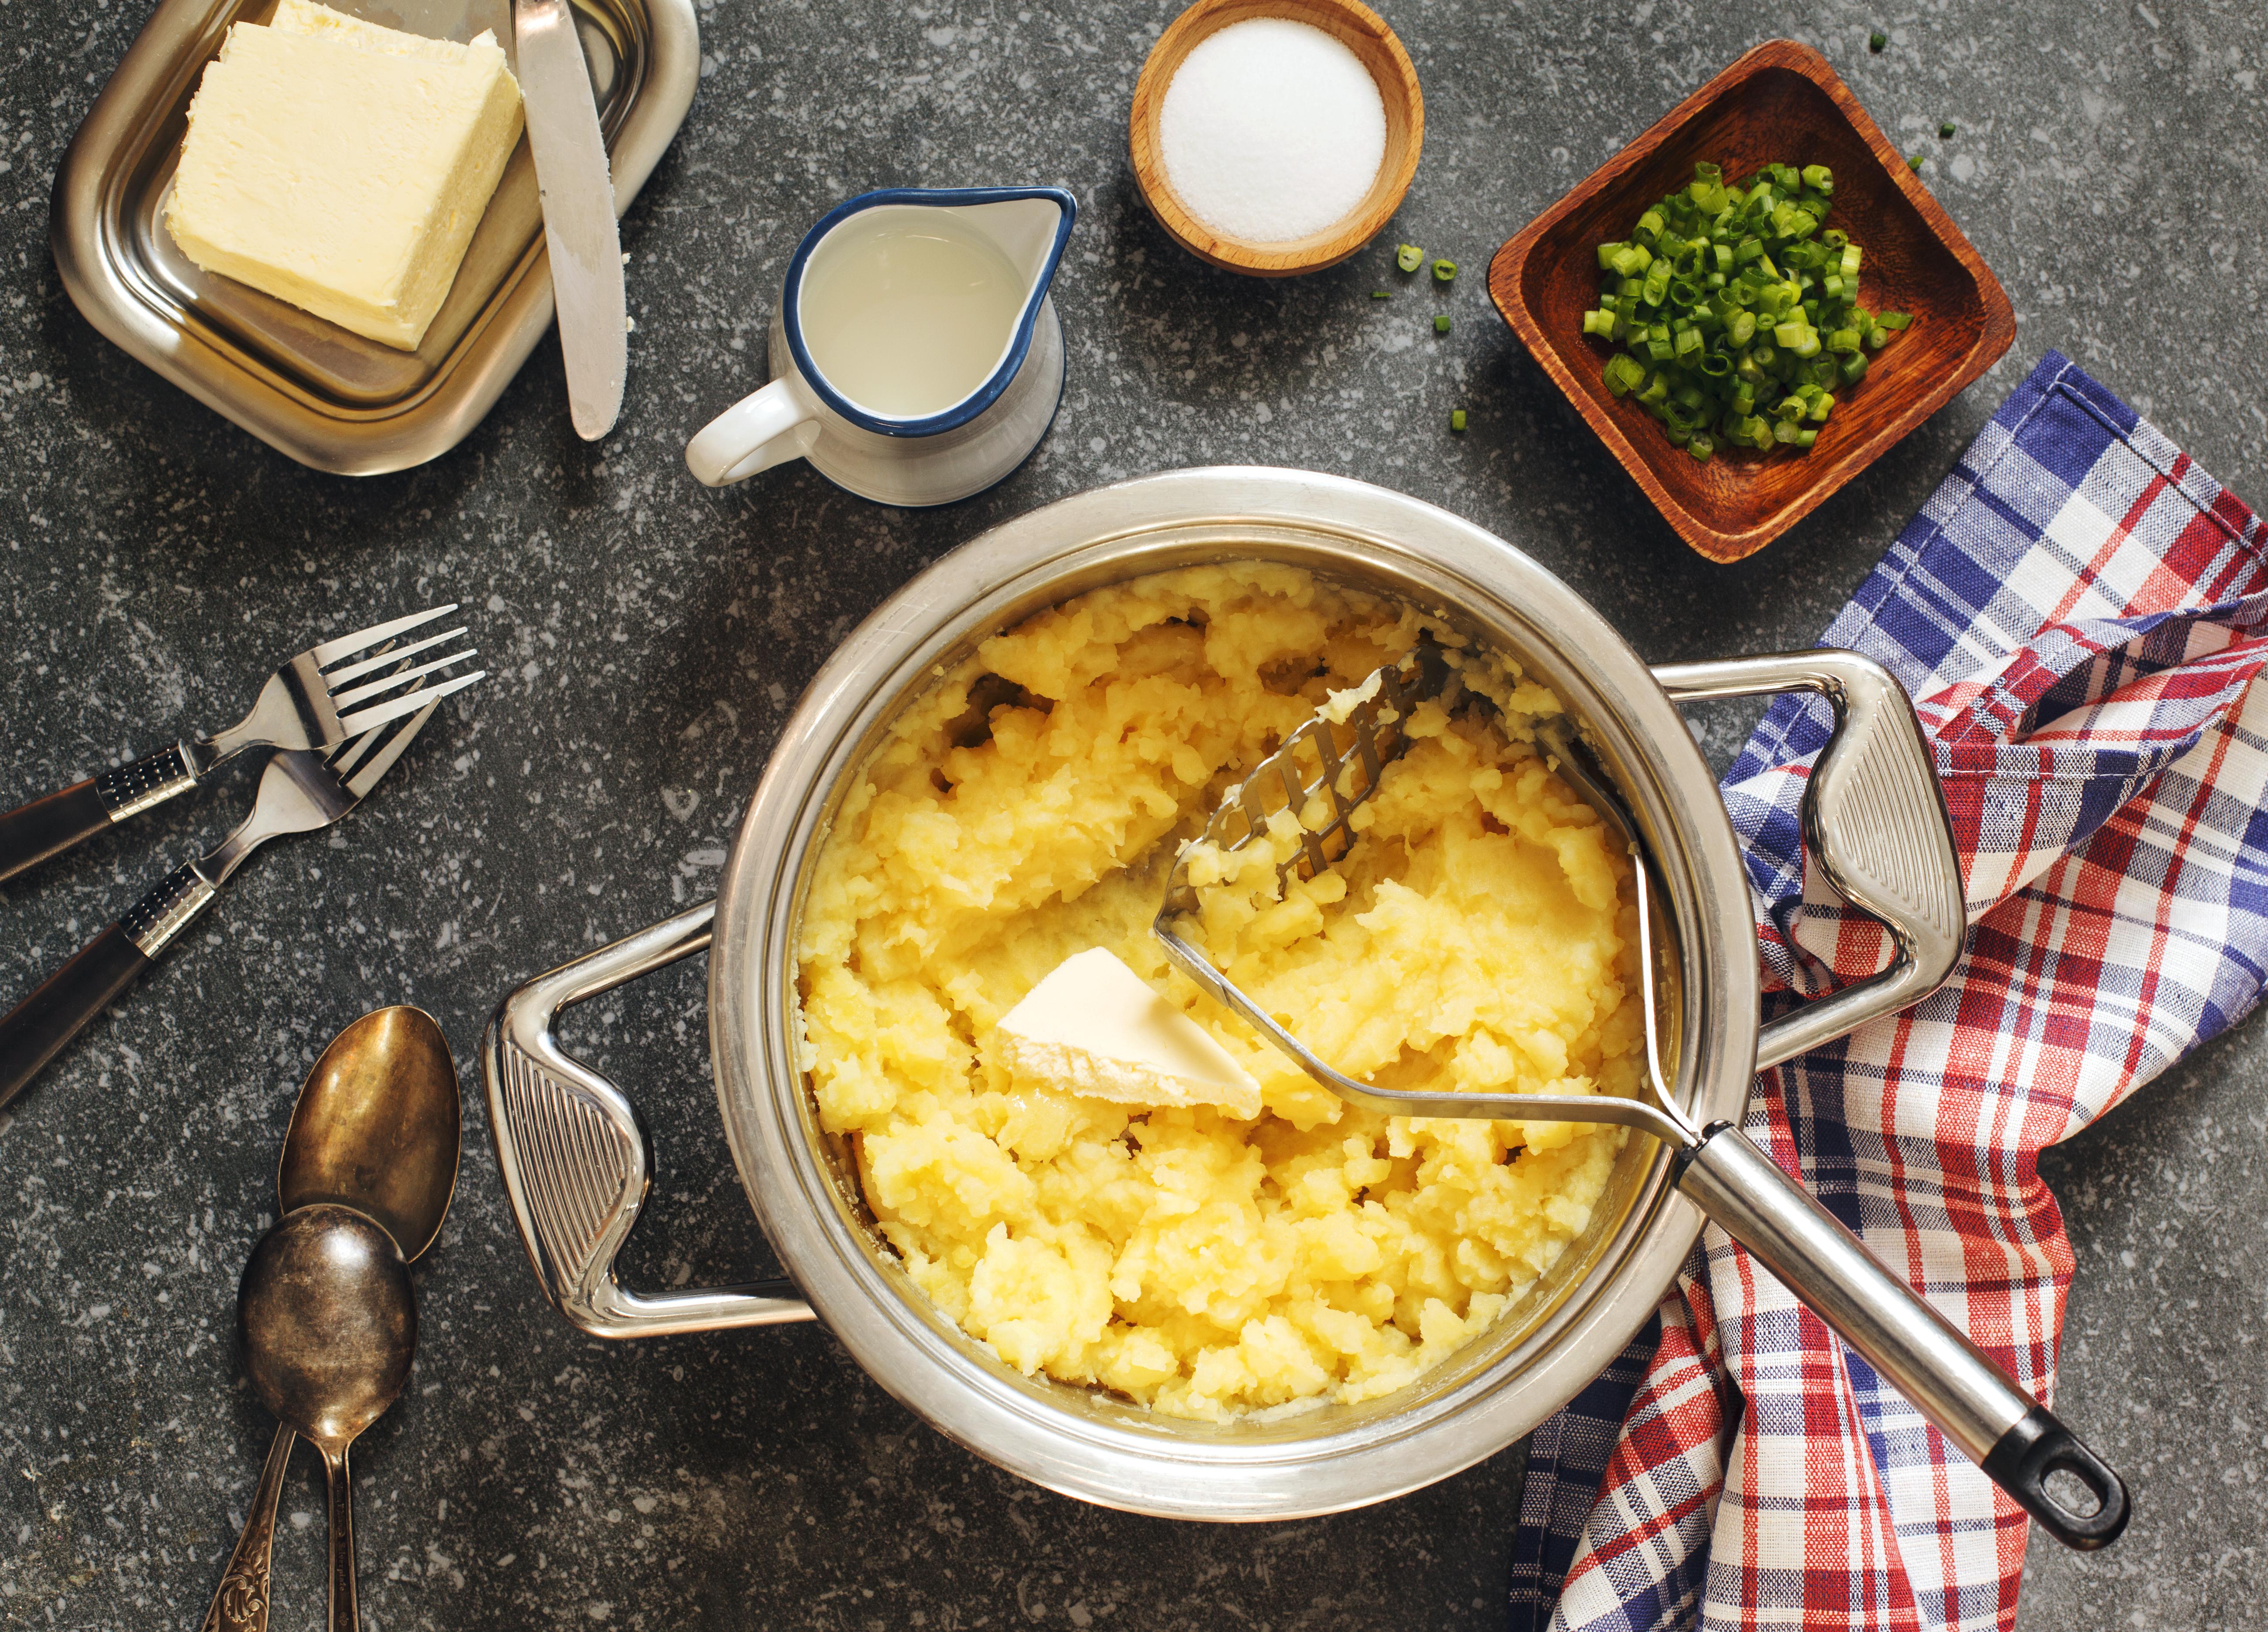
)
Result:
{"points": [[579, 234]]}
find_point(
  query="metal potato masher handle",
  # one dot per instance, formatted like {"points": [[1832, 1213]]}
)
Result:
{"points": [[1875, 822]]}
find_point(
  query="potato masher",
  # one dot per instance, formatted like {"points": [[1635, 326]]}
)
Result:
{"points": [[1326, 770]]}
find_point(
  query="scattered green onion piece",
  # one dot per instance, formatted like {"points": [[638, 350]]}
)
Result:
{"points": [[1946, 131], [1701, 446], [1442, 324], [1381, 294], [1409, 258], [1913, 163], [1876, 40], [1446, 271], [1894, 320], [1456, 419], [1805, 438]]}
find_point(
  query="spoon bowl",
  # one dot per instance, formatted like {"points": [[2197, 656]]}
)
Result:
{"points": [[379, 1127], [328, 1322]]}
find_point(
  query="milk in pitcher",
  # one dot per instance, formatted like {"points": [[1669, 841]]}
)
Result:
{"points": [[907, 312]]}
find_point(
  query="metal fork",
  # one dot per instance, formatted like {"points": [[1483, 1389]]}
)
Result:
{"points": [[302, 790], [1990, 1418], [317, 700]]}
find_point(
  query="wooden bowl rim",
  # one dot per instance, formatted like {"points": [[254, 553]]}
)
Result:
{"points": [[1318, 250], [1997, 330]]}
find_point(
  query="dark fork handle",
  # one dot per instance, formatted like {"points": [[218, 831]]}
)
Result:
{"points": [[47, 827], [32, 833], [44, 1023]]}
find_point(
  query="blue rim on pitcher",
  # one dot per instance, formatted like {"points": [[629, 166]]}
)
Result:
{"points": [[947, 197]]}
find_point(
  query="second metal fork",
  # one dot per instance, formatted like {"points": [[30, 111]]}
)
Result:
{"points": [[315, 701]]}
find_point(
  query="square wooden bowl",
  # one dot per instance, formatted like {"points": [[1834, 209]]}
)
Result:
{"points": [[1781, 101]]}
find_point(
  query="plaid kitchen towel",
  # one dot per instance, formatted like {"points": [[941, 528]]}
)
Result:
{"points": [[2078, 613]]}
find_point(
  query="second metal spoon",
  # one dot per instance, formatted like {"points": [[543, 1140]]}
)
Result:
{"points": [[378, 1129], [329, 1325]]}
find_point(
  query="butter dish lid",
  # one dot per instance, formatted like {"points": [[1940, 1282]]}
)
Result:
{"points": [[327, 397]]}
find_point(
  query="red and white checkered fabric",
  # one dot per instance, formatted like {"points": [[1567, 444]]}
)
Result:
{"points": [[2078, 614]]}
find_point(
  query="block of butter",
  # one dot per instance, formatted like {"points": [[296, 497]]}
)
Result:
{"points": [[342, 166], [1095, 1026]]}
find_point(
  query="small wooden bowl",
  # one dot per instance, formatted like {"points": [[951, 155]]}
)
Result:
{"points": [[1780, 101], [1363, 31]]}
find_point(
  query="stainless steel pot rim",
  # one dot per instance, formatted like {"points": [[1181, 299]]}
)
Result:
{"points": [[1070, 1440]]}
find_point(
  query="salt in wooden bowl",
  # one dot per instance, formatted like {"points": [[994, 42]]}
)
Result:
{"points": [[1365, 33]]}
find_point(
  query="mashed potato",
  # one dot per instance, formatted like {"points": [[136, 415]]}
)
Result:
{"points": [[1475, 936]]}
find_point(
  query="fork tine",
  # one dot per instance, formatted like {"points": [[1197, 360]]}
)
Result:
{"points": [[352, 752], [331, 651], [394, 707], [335, 678], [344, 700], [379, 763]]}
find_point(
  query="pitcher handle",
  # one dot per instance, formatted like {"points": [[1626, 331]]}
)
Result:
{"points": [[573, 1152], [1874, 818], [766, 428]]}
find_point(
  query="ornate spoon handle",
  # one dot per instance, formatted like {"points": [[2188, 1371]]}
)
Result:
{"points": [[240, 1605]]}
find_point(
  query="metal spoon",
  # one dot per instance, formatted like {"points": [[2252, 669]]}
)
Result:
{"points": [[329, 1324], [378, 1129]]}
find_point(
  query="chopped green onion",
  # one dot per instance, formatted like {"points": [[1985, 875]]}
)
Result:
{"points": [[1409, 258], [1456, 419], [1726, 296], [1913, 163], [1442, 324], [1446, 271], [1946, 131], [1381, 294], [1876, 40]]}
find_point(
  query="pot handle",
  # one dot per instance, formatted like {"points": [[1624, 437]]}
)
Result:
{"points": [[573, 1152], [1873, 819]]}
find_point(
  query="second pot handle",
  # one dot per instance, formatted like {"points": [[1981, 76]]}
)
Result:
{"points": [[574, 1152], [1873, 819]]}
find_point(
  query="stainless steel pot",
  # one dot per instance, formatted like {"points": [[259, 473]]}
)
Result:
{"points": [[574, 1155]]}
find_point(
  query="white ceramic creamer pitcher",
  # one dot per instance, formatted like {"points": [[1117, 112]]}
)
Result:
{"points": [[916, 357]]}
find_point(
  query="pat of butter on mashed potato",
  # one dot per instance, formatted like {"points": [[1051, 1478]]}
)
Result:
{"points": [[1208, 1259], [1092, 1027]]}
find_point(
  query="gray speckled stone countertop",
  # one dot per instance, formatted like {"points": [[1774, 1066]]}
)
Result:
{"points": [[647, 638]]}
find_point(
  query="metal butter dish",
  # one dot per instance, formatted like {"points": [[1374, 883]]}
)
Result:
{"points": [[328, 397]]}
